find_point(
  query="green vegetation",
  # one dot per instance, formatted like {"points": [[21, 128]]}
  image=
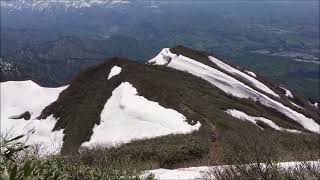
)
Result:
{"points": [[241, 142], [266, 171], [17, 163], [256, 154], [165, 152], [234, 139], [237, 143]]}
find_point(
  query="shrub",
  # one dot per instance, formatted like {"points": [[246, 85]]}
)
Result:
{"points": [[164, 152], [274, 171], [13, 166], [255, 155]]}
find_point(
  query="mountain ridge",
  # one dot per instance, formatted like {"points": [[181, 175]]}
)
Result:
{"points": [[95, 98]]}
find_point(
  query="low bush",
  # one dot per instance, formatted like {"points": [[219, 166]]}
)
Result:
{"points": [[145, 154], [255, 154], [16, 164]]}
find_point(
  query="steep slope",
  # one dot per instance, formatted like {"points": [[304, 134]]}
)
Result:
{"points": [[173, 89], [188, 91], [231, 85], [292, 102], [26, 96], [92, 89]]}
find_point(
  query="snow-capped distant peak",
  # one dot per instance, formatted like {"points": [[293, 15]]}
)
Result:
{"points": [[115, 70], [47, 4]]}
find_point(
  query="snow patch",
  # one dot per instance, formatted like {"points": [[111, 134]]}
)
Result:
{"points": [[287, 92], [163, 58], [115, 70], [243, 116], [251, 73], [196, 172], [127, 116], [229, 85], [178, 174], [246, 77], [296, 105], [20, 96], [316, 105]]}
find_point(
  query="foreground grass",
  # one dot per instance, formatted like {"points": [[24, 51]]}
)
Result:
{"points": [[18, 163], [59, 168], [236, 143]]}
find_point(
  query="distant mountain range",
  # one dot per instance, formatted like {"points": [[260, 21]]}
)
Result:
{"points": [[50, 41], [55, 62], [48, 4]]}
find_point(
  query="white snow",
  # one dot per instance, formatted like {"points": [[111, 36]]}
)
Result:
{"points": [[250, 73], [229, 85], [163, 58], [246, 77], [243, 116], [18, 97], [127, 116], [178, 174], [115, 70], [295, 104], [197, 172], [288, 93], [316, 105]]}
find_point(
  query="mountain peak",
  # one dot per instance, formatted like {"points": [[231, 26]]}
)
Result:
{"points": [[120, 100]]}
